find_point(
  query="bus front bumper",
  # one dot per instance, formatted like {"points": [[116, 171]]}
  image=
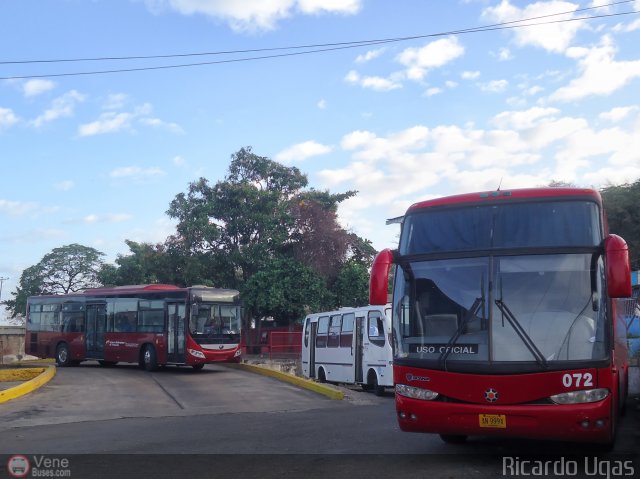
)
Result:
{"points": [[590, 422]]}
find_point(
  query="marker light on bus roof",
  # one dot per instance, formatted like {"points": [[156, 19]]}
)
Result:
{"points": [[579, 397], [415, 393]]}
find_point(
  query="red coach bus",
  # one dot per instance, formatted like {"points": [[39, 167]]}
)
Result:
{"points": [[152, 325], [504, 321]]}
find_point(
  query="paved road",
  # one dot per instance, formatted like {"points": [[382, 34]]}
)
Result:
{"points": [[228, 411]]}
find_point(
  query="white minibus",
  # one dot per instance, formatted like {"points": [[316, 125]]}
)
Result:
{"points": [[349, 345]]}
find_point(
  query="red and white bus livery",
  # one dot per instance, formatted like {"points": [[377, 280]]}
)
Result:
{"points": [[152, 325], [504, 317]]}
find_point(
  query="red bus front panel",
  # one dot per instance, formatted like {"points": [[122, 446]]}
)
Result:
{"points": [[507, 405]]}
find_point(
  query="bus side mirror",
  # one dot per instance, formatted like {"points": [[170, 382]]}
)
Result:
{"points": [[379, 280], [618, 267]]}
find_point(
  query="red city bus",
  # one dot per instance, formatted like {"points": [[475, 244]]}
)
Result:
{"points": [[152, 325], [504, 321]]}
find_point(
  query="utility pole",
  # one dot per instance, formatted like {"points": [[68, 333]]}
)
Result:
{"points": [[1, 281]]}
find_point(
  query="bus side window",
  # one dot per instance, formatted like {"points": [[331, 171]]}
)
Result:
{"points": [[307, 325], [376, 328], [323, 331], [346, 334], [333, 340]]}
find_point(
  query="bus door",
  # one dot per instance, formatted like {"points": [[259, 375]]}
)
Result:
{"points": [[312, 349], [175, 332], [359, 338], [96, 325]]}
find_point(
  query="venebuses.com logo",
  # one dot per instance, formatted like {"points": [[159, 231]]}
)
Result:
{"points": [[19, 466]]}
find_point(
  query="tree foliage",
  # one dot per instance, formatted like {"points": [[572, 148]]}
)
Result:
{"points": [[64, 270], [261, 220], [622, 204]]}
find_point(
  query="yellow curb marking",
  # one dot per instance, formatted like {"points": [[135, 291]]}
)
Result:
{"points": [[290, 378], [33, 379]]}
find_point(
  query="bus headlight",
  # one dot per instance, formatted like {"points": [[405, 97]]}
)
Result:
{"points": [[415, 393], [238, 353], [578, 397], [196, 354]]}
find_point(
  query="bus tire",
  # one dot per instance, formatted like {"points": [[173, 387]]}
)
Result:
{"points": [[197, 367], [453, 438], [149, 359], [322, 378], [377, 389], [62, 355]]}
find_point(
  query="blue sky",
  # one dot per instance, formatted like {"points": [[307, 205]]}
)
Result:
{"points": [[96, 159]]}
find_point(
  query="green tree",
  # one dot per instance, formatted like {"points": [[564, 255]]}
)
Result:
{"points": [[623, 213], [351, 287], [64, 270], [286, 290]]}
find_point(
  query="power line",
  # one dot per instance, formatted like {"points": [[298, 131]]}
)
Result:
{"points": [[319, 45], [323, 47]]}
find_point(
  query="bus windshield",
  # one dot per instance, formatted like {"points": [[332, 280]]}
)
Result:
{"points": [[215, 322], [535, 309], [510, 225]]}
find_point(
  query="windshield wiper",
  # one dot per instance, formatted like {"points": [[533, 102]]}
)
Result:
{"points": [[517, 327], [478, 303]]}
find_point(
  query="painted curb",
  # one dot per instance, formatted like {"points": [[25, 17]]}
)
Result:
{"points": [[290, 378], [33, 379]]}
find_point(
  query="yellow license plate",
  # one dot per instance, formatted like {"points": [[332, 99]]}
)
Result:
{"points": [[493, 420]]}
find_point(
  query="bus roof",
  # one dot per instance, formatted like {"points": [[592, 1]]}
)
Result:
{"points": [[131, 288], [506, 195]]}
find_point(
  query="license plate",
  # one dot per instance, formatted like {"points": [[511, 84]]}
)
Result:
{"points": [[493, 420]]}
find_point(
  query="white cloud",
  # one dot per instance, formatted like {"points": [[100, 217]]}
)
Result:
{"points": [[158, 123], [504, 54], [178, 161], [372, 83], [65, 185], [136, 173], [61, 107], [370, 55], [520, 120], [600, 73], [618, 113], [7, 118], [470, 75], [433, 91], [108, 122], [255, 15], [418, 61], [16, 208], [522, 148], [554, 37], [302, 151], [322, 104], [37, 86], [116, 101], [495, 86]]}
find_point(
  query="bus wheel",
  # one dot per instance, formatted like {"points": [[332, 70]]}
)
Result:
{"points": [[453, 438], [149, 358], [62, 355], [377, 390], [197, 367], [321, 376]]}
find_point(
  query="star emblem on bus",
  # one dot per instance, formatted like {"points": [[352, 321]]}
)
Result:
{"points": [[491, 395]]}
